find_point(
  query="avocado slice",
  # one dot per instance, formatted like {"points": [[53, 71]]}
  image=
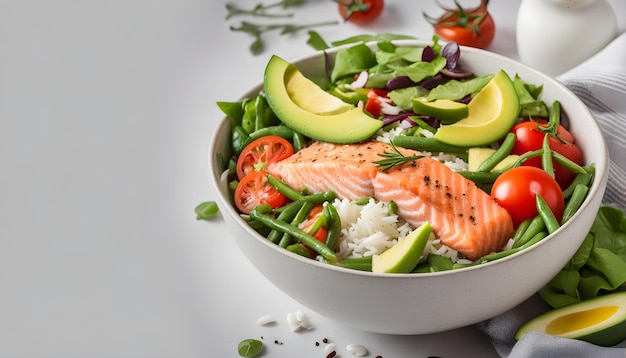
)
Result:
{"points": [[600, 320], [476, 156], [404, 256], [492, 113], [306, 108], [447, 111]]}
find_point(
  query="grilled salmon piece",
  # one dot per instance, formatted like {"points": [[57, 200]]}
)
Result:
{"points": [[463, 216]]}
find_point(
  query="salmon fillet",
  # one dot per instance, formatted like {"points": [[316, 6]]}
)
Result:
{"points": [[463, 216]]}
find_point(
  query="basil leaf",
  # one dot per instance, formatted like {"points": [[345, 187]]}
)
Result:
{"points": [[249, 348], [316, 41], [206, 210]]}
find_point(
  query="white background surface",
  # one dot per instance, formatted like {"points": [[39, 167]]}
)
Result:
{"points": [[106, 109]]}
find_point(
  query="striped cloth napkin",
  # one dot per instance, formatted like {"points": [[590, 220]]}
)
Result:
{"points": [[600, 82]]}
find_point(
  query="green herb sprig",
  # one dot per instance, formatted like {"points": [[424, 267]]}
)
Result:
{"points": [[260, 9], [394, 158]]}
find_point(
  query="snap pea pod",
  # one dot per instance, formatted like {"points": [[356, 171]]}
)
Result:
{"points": [[259, 107], [546, 214], [279, 130], [566, 163], [426, 144], [286, 214], [546, 156], [357, 263], [362, 201], [260, 214], [496, 157], [523, 226], [578, 196], [334, 226], [480, 177], [580, 178], [304, 211], [536, 225]]}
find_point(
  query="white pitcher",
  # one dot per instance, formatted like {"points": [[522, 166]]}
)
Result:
{"points": [[554, 36]]}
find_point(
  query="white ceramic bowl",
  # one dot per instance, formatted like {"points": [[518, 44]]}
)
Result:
{"points": [[431, 302]]}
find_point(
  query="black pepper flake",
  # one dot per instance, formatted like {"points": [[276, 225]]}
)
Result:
{"points": [[448, 194], [325, 340], [379, 356], [472, 218], [460, 215], [317, 344], [278, 342], [331, 354]]}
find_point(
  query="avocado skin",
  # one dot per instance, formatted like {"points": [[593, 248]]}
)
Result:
{"points": [[608, 333]]}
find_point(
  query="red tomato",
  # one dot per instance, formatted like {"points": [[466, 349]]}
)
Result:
{"points": [[469, 27], [516, 190], [530, 138], [375, 97], [254, 190], [257, 155], [360, 12]]}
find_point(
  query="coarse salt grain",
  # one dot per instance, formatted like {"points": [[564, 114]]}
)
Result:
{"points": [[264, 320], [357, 349]]}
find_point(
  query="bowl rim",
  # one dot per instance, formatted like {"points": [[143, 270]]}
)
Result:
{"points": [[597, 188]]}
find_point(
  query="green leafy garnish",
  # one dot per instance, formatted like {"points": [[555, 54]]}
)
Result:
{"points": [[249, 348], [260, 9], [394, 158], [599, 265], [206, 210]]}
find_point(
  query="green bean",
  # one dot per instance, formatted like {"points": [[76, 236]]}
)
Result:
{"points": [[480, 177], [334, 226], [523, 226], [321, 221], [524, 157], [567, 163], [259, 213], [286, 213], [546, 156], [362, 201], [279, 130], [284, 189], [426, 144], [319, 198], [300, 249], [580, 178], [534, 239], [497, 156], [259, 109], [357, 263], [552, 224], [302, 214], [422, 124], [554, 119], [578, 196], [536, 225], [299, 141]]}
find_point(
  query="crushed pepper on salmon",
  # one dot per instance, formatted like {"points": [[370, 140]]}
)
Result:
{"points": [[463, 217]]}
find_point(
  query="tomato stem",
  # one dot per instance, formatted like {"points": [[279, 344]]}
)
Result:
{"points": [[353, 6]]}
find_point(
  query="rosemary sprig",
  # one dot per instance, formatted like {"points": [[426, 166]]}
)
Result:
{"points": [[257, 31], [394, 158], [260, 9]]}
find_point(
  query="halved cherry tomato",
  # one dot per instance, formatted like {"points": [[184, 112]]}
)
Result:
{"points": [[360, 12], [257, 155], [254, 190], [530, 138], [516, 190], [469, 27]]}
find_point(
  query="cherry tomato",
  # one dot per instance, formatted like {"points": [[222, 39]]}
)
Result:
{"points": [[375, 97], [469, 27], [360, 12], [516, 190], [254, 190], [257, 155], [530, 138]]}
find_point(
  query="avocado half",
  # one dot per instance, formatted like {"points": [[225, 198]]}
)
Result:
{"points": [[306, 108], [600, 320]]}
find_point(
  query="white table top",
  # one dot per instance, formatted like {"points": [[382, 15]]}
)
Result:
{"points": [[106, 109]]}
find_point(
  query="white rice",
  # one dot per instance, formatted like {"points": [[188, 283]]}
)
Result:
{"points": [[370, 229]]}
